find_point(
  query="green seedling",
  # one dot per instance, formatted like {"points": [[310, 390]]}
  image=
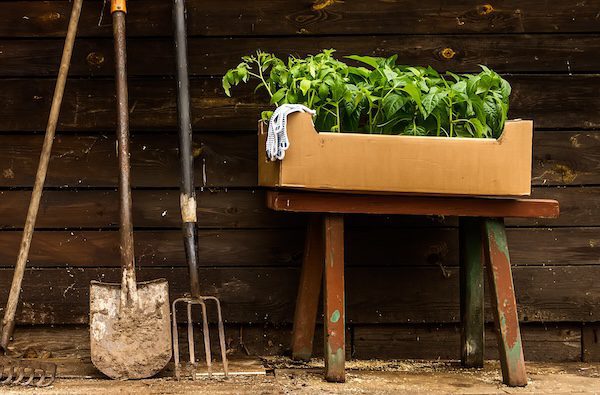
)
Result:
{"points": [[377, 95]]}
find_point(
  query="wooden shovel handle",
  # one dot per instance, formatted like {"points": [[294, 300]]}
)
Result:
{"points": [[118, 5]]}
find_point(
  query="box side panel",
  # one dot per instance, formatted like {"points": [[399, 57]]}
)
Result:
{"points": [[408, 164], [268, 171]]}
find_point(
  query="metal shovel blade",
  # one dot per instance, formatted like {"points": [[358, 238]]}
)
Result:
{"points": [[130, 342]]}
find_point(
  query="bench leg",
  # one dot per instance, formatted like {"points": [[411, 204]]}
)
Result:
{"points": [[309, 289], [471, 292], [333, 299], [504, 303]]}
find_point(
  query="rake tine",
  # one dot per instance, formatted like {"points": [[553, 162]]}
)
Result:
{"points": [[190, 331], [21, 371], [176, 342], [206, 336], [41, 380], [221, 336], [31, 377], [52, 367], [11, 372]]}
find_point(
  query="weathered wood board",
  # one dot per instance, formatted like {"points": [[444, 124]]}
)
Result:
{"points": [[259, 295], [89, 104]]}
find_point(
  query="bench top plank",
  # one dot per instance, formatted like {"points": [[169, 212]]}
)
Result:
{"points": [[346, 203]]}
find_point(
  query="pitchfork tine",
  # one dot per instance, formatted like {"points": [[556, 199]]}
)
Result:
{"points": [[221, 335], [206, 336], [190, 330], [176, 341]]}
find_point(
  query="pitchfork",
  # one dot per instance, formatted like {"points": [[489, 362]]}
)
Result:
{"points": [[188, 210]]}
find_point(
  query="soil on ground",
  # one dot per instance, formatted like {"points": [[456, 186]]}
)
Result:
{"points": [[284, 376]]}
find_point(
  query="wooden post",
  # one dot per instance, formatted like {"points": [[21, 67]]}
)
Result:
{"points": [[309, 289], [504, 303], [471, 292], [333, 299]]}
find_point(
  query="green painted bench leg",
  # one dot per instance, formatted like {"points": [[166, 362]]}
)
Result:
{"points": [[309, 289], [333, 299], [504, 303], [471, 292]]}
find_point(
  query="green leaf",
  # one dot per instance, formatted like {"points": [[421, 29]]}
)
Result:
{"points": [[277, 96], [304, 86], [430, 102], [369, 60], [414, 92], [392, 104]]}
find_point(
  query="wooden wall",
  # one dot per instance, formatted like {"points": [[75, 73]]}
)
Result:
{"points": [[402, 278]]}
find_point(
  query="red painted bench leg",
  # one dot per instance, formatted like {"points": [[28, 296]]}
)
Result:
{"points": [[308, 291], [471, 292], [333, 299], [504, 303]]}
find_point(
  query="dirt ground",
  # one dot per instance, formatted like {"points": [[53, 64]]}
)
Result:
{"points": [[363, 377]]}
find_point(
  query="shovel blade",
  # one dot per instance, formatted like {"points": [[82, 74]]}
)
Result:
{"points": [[131, 342]]}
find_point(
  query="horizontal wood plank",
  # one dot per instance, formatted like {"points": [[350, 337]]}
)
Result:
{"points": [[84, 161], [219, 208], [340, 203], [89, 104], [264, 17], [547, 53], [232, 208], [386, 295], [368, 247], [229, 160], [548, 342]]}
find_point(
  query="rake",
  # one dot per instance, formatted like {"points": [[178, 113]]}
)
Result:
{"points": [[26, 372], [188, 213]]}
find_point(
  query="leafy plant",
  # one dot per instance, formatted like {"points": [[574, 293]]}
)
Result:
{"points": [[379, 96]]}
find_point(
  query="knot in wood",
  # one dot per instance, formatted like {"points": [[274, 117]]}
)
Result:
{"points": [[447, 53], [94, 59], [319, 5], [485, 9]]}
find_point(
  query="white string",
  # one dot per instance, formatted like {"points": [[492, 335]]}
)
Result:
{"points": [[277, 138]]}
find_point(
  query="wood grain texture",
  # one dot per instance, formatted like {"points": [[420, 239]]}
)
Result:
{"points": [[591, 342], [85, 161], [549, 53], [264, 17], [218, 208], [259, 295], [343, 203], [233, 208], [547, 342], [229, 160], [557, 342], [89, 104], [367, 247]]}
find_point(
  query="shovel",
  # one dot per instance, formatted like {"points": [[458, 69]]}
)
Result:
{"points": [[130, 328]]}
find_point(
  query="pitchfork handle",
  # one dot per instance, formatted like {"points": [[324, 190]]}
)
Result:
{"points": [[8, 323], [188, 195]]}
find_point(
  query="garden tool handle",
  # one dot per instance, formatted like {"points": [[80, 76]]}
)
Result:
{"points": [[118, 5], [8, 323], [128, 280], [188, 194]]}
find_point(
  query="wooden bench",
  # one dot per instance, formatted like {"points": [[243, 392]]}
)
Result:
{"points": [[482, 239]]}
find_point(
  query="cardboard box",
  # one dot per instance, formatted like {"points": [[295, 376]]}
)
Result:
{"points": [[400, 164]]}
